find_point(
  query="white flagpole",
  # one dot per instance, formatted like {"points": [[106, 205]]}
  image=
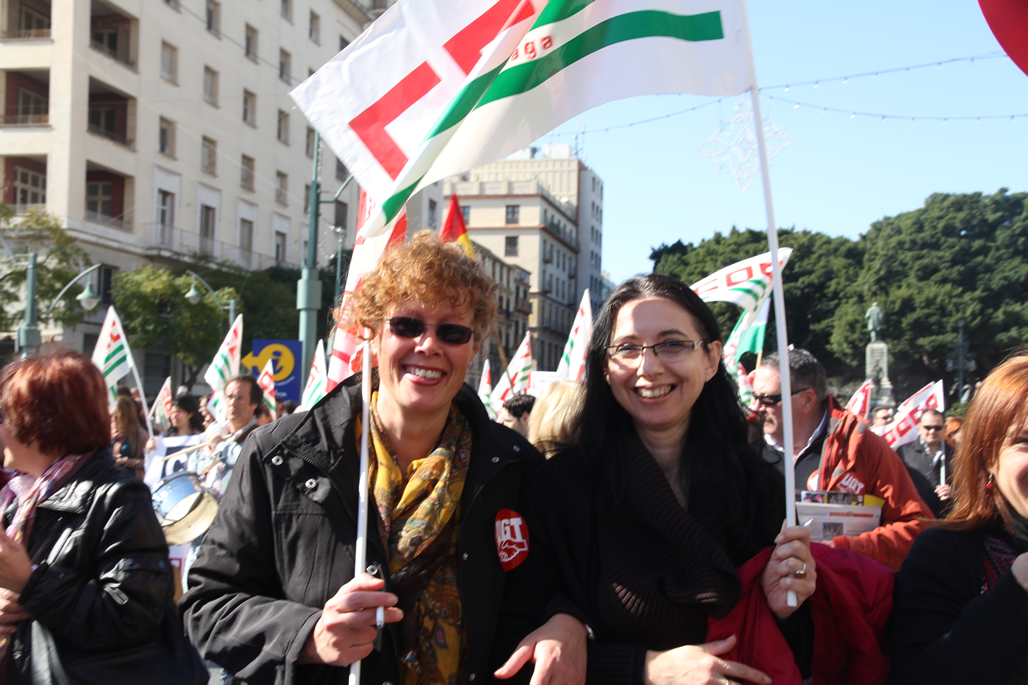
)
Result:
{"points": [[360, 554], [789, 465]]}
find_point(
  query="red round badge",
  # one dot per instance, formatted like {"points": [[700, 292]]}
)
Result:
{"points": [[511, 538]]}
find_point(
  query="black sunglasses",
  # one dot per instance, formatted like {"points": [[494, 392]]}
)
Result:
{"points": [[772, 400], [449, 333]]}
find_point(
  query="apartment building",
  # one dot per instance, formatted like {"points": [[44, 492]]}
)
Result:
{"points": [[162, 130], [542, 211], [513, 286]]}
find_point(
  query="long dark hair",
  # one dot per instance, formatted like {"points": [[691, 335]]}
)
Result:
{"points": [[731, 489], [190, 404]]}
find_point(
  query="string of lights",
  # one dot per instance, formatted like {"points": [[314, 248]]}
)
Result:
{"points": [[817, 82]]}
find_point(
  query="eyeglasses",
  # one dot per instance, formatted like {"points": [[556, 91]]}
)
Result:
{"points": [[669, 350], [933, 428], [773, 400], [449, 333]]}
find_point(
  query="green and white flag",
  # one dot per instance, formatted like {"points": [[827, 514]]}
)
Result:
{"points": [[518, 376], [485, 389], [317, 381], [415, 125], [111, 354], [752, 339], [572, 362], [224, 365]]}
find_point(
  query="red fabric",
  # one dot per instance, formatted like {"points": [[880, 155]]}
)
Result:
{"points": [[858, 461], [850, 608], [1008, 20], [454, 227]]}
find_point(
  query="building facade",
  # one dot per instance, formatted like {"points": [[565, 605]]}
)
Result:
{"points": [[513, 285], [542, 211], [162, 130]]}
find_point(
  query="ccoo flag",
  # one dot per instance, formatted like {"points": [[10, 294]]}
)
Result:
{"points": [[111, 354], [572, 362], [224, 365], [485, 389], [317, 380], [519, 372], [464, 84], [266, 382], [161, 408]]}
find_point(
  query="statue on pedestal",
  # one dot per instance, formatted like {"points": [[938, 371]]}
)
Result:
{"points": [[875, 320], [876, 360]]}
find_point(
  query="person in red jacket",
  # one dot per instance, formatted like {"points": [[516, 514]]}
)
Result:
{"points": [[835, 450]]}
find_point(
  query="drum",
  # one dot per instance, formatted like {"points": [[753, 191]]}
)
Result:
{"points": [[184, 507]]}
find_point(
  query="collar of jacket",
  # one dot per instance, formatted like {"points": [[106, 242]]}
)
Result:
{"points": [[325, 439], [75, 495]]}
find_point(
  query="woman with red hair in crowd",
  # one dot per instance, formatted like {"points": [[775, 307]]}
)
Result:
{"points": [[85, 584], [962, 594]]}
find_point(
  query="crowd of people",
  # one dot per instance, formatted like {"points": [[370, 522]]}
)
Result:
{"points": [[628, 529]]}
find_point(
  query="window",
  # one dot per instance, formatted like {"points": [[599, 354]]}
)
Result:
{"points": [[29, 189], [433, 214], [169, 62], [285, 65], [208, 222], [465, 212], [210, 86], [511, 246], [99, 199], [309, 147], [246, 173], [213, 17], [314, 32], [341, 214], [250, 43], [287, 10], [30, 20], [106, 39], [166, 138], [249, 108], [513, 211], [306, 198], [283, 127], [33, 108], [246, 235], [209, 156], [280, 247], [341, 171], [101, 119], [106, 279], [165, 216], [281, 188], [343, 43]]}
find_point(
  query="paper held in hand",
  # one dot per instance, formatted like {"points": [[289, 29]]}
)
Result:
{"points": [[831, 514]]}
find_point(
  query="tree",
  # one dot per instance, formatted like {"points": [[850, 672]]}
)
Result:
{"points": [[58, 260], [153, 306]]}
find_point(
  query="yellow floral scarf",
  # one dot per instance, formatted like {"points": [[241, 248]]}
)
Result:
{"points": [[418, 522]]}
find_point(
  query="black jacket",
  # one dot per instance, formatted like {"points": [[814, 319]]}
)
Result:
{"points": [[926, 475], [101, 593], [283, 544]]}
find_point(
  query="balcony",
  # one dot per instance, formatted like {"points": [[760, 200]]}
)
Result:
{"points": [[113, 33], [24, 186], [175, 242], [27, 98], [110, 197], [111, 114], [119, 222], [26, 21]]}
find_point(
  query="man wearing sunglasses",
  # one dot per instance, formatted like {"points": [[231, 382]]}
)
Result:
{"points": [[925, 458], [835, 450]]}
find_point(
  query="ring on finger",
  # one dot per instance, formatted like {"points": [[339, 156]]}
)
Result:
{"points": [[802, 573]]}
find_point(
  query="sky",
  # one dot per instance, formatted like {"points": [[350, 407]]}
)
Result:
{"points": [[838, 173]]}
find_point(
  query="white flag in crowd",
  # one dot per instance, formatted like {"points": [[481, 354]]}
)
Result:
{"points": [[224, 365], [519, 371], [572, 362], [317, 381], [111, 354], [903, 429], [860, 403]]}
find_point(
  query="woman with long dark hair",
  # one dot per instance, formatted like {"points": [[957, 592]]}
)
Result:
{"points": [[639, 528]]}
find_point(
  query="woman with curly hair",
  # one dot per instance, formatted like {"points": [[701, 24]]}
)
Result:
{"points": [[273, 597]]}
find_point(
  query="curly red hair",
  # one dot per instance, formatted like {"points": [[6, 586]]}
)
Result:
{"points": [[430, 272]]}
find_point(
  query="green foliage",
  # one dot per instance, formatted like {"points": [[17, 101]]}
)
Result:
{"points": [[58, 260], [153, 306], [958, 257]]}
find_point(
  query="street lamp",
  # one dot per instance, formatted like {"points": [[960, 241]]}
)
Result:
{"points": [[195, 295]]}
